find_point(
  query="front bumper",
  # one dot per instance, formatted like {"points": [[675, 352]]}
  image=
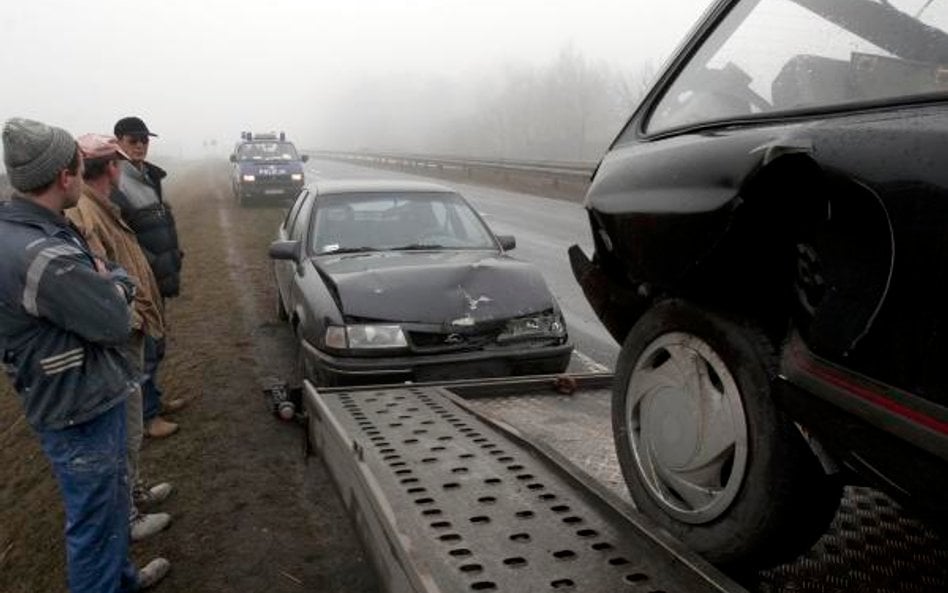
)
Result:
{"points": [[264, 190], [349, 370], [618, 307]]}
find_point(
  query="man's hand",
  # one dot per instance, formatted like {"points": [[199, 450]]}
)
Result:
{"points": [[117, 274], [101, 268]]}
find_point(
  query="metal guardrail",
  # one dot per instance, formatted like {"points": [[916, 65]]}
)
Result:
{"points": [[561, 178]]}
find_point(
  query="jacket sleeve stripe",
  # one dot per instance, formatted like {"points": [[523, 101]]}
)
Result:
{"points": [[65, 367], [67, 354], [35, 273], [52, 367]]}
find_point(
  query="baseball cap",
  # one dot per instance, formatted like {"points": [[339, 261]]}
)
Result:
{"points": [[97, 146], [132, 126]]}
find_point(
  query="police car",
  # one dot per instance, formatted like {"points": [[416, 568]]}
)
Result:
{"points": [[267, 169]]}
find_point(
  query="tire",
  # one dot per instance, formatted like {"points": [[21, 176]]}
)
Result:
{"points": [[281, 313], [707, 454], [299, 367]]}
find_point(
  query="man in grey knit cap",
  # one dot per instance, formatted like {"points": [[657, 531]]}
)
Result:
{"points": [[64, 315]]}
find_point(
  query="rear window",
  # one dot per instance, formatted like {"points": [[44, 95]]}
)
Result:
{"points": [[771, 56]]}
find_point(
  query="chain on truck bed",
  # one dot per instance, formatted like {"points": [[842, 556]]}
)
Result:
{"points": [[448, 502]]}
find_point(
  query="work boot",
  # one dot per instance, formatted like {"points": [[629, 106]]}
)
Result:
{"points": [[153, 572], [169, 406], [159, 428], [149, 497], [146, 525]]}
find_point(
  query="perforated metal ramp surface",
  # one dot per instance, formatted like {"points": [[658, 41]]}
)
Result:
{"points": [[447, 502], [872, 546]]}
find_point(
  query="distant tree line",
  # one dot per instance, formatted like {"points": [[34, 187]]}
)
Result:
{"points": [[569, 110]]}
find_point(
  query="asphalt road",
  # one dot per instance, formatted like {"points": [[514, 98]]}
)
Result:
{"points": [[544, 229]]}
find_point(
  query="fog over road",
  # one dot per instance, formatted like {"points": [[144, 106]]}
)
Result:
{"points": [[544, 228]]}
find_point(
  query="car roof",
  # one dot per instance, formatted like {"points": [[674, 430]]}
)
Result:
{"points": [[259, 140], [358, 186]]}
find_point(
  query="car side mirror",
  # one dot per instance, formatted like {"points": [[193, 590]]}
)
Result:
{"points": [[507, 242], [304, 158], [285, 250], [233, 158]]}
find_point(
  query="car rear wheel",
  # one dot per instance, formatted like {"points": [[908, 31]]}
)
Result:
{"points": [[702, 447]]}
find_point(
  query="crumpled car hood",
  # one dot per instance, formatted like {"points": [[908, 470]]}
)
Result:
{"points": [[458, 288]]}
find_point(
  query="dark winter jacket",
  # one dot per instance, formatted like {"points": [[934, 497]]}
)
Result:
{"points": [[60, 320], [145, 211]]}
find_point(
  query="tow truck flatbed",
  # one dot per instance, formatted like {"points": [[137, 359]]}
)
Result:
{"points": [[446, 499], [563, 442]]}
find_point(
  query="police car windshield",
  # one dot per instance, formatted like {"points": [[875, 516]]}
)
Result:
{"points": [[267, 151]]}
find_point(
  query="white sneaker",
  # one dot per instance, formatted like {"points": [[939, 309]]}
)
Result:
{"points": [[146, 497], [147, 525], [153, 572]]}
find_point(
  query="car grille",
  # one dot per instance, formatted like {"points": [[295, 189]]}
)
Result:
{"points": [[274, 179], [430, 342]]}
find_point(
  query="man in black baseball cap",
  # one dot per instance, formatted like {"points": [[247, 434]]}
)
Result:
{"points": [[132, 126], [133, 136], [143, 207]]}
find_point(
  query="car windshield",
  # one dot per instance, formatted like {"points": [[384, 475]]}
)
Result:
{"points": [[794, 55], [267, 151], [348, 223]]}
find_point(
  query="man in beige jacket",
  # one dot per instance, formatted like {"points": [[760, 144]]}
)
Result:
{"points": [[110, 238]]}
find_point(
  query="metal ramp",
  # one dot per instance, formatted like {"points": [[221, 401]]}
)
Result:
{"points": [[447, 501]]}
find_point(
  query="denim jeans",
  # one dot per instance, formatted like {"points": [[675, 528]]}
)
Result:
{"points": [[89, 463], [135, 426], [151, 395]]}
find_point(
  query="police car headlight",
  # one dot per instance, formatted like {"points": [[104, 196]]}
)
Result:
{"points": [[365, 337], [296, 177], [249, 178]]}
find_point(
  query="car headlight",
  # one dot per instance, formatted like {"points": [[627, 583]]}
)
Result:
{"points": [[249, 178], [296, 177], [532, 327], [365, 336]]}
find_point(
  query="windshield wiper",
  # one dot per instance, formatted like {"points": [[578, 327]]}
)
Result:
{"points": [[418, 247], [363, 249]]}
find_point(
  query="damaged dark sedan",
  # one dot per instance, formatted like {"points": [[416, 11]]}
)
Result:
{"points": [[402, 281], [771, 249]]}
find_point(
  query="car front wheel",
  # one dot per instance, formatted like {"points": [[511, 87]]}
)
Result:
{"points": [[281, 313], [702, 447]]}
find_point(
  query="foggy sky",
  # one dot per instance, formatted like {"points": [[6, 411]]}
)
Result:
{"points": [[199, 70]]}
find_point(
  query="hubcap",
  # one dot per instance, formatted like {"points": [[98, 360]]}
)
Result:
{"points": [[686, 427]]}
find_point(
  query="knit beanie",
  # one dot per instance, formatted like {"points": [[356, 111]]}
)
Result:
{"points": [[35, 153]]}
